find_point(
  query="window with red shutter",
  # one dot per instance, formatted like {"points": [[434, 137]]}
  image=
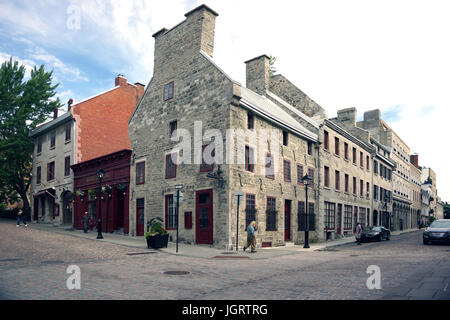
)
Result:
{"points": [[325, 140]]}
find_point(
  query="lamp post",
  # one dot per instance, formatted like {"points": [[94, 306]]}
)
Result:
{"points": [[306, 181], [100, 176]]}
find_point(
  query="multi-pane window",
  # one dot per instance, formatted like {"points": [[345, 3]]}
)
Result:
{"points": [[348, 213], [337, 180], [208, 154], [375, 167], [327, 177], [140, 210], [287, 170], [354, 155], [39, 146], [368, 189], [38, 175], [361, 188], [250, 121], [285, 138], [346, 182], [311, 176], [346, 150], [52, 139], [168, 91], [270, 167], [367, 163], [67, 166], [299, 174], [173, 127], [330, 215], [171, 216], [68, 132], [362, 216], [326, 140], [249, 159], [50, 171], [250, 209], [375, 192], [301, 216], [336, 146], [171, 167], [140, 173], [354, 185], [271, 214]]}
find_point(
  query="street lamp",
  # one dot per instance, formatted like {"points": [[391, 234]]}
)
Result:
{"points": [[100, 176], [306, 181]]}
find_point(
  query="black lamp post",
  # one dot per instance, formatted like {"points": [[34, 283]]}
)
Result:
{"points": [[100, 175], [306, 181]]}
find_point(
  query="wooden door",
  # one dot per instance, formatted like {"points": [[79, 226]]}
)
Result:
{"points": [[140, 220], [287, 220], [204, 217]]}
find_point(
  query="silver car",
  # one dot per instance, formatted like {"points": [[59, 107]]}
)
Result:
{"points": [[437, 232]]}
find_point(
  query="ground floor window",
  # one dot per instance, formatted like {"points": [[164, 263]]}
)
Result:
{"points": [[348, 212], [271, 214], [362, 216], [250, 210], [171, 222], [330, 215]]}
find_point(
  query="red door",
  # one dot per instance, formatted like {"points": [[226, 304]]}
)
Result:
{"points": [[287, 220], [339, 219], [204, 217], [140, 217]]}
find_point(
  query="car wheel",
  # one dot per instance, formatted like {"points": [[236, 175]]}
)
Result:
{"points": [[379, 238], [425, 242], [388, 237]]}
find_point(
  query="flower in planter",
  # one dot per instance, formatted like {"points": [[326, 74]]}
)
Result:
{"points": [[156, 228]]}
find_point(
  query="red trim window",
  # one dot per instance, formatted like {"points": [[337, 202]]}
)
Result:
{"points": [[173, 127], [354, 185], [311, 175], [140, 173], [168, 91], [249, 159], [67, 166], [140, 211], [52, 139], [346, 182], [38, 175], [270, 167], [354, 155], [68, 132], [287, 170], [171, 221], [361, 188], [367, 163], [330, 215], [337, 180], [208, 158], [346, 150], [327, 177], [336, 146], [326, 140], [51, 171], [361, 159], [300, 174], [171, 167], [250, 121], [348, 215]]}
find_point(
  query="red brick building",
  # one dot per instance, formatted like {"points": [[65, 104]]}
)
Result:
{"points": [[101, 122]]}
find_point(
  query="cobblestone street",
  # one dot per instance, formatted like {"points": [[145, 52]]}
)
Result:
{"points": [[33, 265]]}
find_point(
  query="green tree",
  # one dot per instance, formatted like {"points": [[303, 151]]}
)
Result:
{"points": [[23, 105]]}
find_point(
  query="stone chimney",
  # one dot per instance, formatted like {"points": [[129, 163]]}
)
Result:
{"points": [[414, 158], [347, 117], [55, 113], [69, 104], [121, 80], [258, 74], [194, 34]]}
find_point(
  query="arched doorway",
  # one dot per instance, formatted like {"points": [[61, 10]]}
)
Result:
{"points": [[67, 198]]}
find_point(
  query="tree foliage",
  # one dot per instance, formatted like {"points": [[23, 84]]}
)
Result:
{"points": [[23, 105]]}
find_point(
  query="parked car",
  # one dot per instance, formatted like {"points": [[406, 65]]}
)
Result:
{"points": [[375, 233], [437, 232]]}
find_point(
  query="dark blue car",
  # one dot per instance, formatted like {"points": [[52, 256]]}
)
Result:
{"points": [[437, 232]]}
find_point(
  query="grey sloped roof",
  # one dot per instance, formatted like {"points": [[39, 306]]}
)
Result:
{"points": [[270, 110], [44, 128]]}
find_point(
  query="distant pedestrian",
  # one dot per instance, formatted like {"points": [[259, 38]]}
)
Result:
{"points": [[20, 218], [358, 231], [86, 222], [419, 225], [251, 239]]}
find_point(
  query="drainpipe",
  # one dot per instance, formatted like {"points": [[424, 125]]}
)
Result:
{"points": [[319, 175]]}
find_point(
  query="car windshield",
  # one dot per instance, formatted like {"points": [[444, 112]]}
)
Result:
{"points": [[440, 224], [378, 229]]}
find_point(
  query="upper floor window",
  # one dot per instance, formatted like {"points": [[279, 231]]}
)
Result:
{"points": [[346, 150], [354, 185], [250, 121], [285, 138], [270, 167], [361, 159], [375, 167], [310, 148], [52, 139], [171, 167], [249, 159], [39, 145], [67, 166], [173, 127], [168, 91], [327, 177], [336, 146], [346, 182], [354, 155], [367, 163], [311, 176], [326, 140], [140, 173], [287, 170], [299, 174], [337, 180], [38, 175], [51, 171], [68, 132], [208, 154]]}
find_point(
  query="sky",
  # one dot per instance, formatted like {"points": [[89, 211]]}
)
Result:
{"points": [[387, 55]]}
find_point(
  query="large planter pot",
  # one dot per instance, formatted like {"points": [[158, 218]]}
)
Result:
{"points": [[157, 241]]}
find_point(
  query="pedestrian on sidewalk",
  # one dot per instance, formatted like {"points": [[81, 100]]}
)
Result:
{"points": [[86, 222], [358, 231], [20, 218], [419, 224], [251, 239]]}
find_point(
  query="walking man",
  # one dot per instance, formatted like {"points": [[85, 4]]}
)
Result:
{"points": [[251, 239], [20, 218], [358, 230]]}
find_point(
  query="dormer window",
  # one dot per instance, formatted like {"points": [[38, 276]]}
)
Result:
{"points": [[168, 91]]}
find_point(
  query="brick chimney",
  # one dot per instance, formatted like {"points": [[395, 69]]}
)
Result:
{"points": [[414, 158], [192, 35], [258, 74], [121, 80], [55, 113]]}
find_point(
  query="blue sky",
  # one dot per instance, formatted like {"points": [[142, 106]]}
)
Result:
{"points": [[389, 55]]}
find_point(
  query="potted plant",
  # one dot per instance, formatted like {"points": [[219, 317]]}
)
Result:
{"points": [[156, 236]]}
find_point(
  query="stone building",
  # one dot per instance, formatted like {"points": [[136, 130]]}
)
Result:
{"points": [[399, 152], [91, 128], [439, 209], [416, 201], [198, 128], [429, 177]]}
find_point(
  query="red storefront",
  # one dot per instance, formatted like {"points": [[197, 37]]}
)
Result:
{"points": [[114, 196]]}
